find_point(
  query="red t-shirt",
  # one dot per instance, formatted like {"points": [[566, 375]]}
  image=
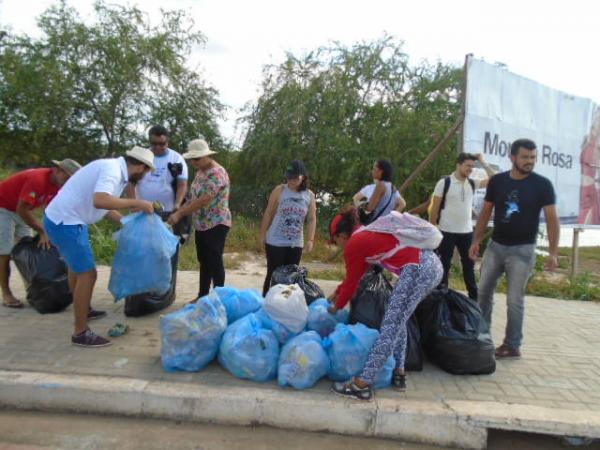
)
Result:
{"points": [[363, 245], [31, 186]]}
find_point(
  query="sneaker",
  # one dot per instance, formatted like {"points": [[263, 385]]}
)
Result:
{"points": [[507, 352], [349, 389], [95, 314], [399, 381], [89, 339]]}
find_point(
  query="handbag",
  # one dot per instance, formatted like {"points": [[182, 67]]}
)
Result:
{"points": [[367, 218]]}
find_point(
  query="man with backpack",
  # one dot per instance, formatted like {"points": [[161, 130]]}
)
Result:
{"points": [[452, 211]]}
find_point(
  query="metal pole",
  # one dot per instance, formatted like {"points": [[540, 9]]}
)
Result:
{"points": [[575, 252], [460, 144]]}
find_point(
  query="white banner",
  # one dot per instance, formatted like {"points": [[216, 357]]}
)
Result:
{"points": [[502, 107]]}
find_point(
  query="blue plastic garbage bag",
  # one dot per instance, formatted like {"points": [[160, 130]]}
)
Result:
{"points": [[321, 321], [303, 361], [348, 348], [249, 351], [239, 302], [191, 337], [343, 315], [384, 377], [281, 332], [142, 261]]}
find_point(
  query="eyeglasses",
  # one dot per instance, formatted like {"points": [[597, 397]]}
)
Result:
{"points": [[158, 143]]}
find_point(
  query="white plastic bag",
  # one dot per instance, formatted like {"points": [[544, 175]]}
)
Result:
{"points": [[286, 304]]}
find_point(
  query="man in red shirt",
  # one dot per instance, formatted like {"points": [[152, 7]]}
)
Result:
{"points": [[20, 194]]}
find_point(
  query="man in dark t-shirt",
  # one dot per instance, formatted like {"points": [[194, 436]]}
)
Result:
{"points": [[517, 198]]}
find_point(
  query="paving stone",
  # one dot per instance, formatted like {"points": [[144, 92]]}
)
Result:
{"points": [[560, 367]]}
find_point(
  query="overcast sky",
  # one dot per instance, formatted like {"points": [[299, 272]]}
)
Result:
{"points": [[552, 42]]}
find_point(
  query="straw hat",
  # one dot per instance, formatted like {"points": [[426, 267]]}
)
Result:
{"points": [[198, 148], [143, 155], [70, 166]]}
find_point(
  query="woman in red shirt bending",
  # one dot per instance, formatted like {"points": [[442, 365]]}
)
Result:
{"points": [[419, 272]]}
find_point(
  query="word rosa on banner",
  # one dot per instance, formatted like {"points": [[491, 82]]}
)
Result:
{"points": [[498, 147]]}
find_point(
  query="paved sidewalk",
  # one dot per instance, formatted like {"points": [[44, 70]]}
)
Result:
{"points": [[560, 369]]}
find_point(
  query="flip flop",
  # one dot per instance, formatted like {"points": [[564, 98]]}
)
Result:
{"points": [[17, 304]]}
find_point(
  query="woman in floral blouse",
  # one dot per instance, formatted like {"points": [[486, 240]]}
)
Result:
{"points": [[211, 215]]}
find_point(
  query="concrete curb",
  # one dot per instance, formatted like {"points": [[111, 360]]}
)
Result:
{"points": [[460, 424]]}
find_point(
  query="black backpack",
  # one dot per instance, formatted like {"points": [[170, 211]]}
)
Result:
{"points": [[446, 189]]}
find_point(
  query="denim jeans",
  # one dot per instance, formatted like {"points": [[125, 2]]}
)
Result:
{"points": [[517, 261]]}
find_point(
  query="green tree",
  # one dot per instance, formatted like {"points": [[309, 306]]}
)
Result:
{"points": [[340, 108], [90, 89]]}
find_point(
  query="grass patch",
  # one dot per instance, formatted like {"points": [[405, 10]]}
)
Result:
{"points": [[5, 173], [232, 261], [243, 242], [243, 236], [187, 256], [103, 244], [335, 274], [585, 286]]}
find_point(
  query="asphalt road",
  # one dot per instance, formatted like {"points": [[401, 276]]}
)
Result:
{"points": [[44, 431]]}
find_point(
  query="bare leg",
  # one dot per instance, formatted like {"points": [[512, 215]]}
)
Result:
{"points": [[72, 280], [82, 297], [7, 296]]}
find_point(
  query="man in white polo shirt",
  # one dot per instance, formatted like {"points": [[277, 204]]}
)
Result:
{"points": [[452, 211], [167, 184], [91, 194]]}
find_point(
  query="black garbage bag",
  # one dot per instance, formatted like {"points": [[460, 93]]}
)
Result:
{"points": [[414, 351], [454, 334], [151, 302], [293, 273], [368, 307], [181, 229], [45, 275], [370, 302]]}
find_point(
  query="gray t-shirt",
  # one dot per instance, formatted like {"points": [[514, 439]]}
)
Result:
{"points": [[287, 228]]}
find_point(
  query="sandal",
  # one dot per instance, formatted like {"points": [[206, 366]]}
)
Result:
{"points": [[399, 381], [16, 304], [350, 389]]}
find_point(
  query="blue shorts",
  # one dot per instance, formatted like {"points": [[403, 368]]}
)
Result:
{"points": [[73, 243]]}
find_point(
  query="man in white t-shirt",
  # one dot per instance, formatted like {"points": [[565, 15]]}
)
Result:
{"points": [[91, 194], [452, 211], [167, 184]]}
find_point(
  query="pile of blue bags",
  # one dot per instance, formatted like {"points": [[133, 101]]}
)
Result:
{"points": [[233, 325]]}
